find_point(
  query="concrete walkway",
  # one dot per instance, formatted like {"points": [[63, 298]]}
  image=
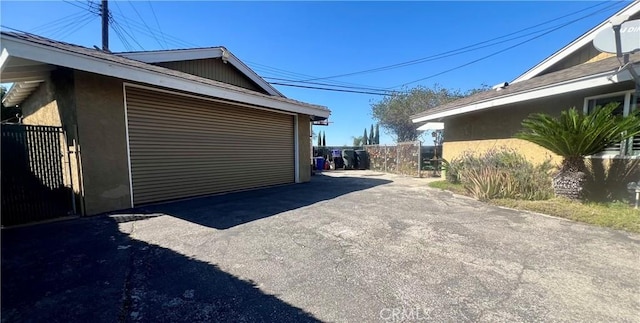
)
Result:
{"points": [[352, 246]]}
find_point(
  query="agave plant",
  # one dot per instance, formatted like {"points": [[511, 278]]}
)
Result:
{"points": [[573, 136]]}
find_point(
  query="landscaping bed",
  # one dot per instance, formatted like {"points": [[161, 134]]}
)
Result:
{"points": [[616, 215]]}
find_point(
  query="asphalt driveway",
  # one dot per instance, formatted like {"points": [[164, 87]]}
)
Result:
{"points": [[353, 246]]}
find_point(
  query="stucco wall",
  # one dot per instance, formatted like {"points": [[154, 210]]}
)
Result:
{"points": [[534, 153], [304, 148], [41, 107], [53, 104], [101, 124], [494, 128]]}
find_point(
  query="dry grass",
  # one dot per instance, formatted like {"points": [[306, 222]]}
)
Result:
{"points": [[444, 185], [611, 215], [616, 215]]}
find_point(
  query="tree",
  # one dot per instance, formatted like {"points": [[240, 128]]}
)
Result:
{"points": [[394, 112], [372, 138], [357, 141], [574, 136], [320, 139], [377, 138], [8, 113], [324, 139], [365, 138]]}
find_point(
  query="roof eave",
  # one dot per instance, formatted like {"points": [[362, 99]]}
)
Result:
{"points": [[60, 57], [591, 81], [160, 56], [567, 50]]}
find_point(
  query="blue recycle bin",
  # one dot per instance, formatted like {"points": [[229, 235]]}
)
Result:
{"points": [[319, 163]]}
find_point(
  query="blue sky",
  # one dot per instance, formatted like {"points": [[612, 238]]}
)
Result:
{"points": [[304, 40]]}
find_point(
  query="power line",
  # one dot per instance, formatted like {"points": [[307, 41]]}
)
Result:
{"points": [[145, 24], [113, 22], [57, 22], [122, 38], [78, 25], [459, 50], [327, 84], [143, 30], [70, 25], [330, 89], [121, 12], [146, 30], [503, 50], [285, 73], [157, 23], [84, 6]]}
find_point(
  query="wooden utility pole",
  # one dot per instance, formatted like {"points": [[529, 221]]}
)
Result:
{"points": [[105, 25]]}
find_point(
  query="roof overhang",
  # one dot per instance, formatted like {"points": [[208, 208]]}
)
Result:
{"points": [[431, 126], [20, 91], [575, 45], [26, 75], [587, 82], [161, 56], [20, 49]]}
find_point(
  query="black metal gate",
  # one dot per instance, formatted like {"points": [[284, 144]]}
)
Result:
{"points": [[33, 187]]}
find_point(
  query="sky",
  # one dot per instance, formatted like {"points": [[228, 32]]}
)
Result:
{"points": [[311, 40]]}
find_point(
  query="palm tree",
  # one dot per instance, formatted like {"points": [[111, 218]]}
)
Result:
{"points": [[573, 136]]}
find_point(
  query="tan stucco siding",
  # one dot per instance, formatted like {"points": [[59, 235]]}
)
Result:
{"points": [[53, 104], [600, 57], [505, 122], [304, 148], [214, 69], [41, 107], [480, 131], [585, 55], [101, 123], [533, 152]]}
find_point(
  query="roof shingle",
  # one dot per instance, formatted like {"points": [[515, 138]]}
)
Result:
{"points": [[137, 64], [583, 70]]}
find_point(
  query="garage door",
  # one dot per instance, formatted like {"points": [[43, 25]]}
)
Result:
{"points": [[182, 146]]}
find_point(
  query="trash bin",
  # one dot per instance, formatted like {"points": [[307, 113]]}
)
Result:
{"points": [[362, 158], [348, 157], [336, 157], [319, 163]]}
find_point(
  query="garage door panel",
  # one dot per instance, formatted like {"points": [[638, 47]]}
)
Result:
{"points": [[182, 147], [195, 189]]}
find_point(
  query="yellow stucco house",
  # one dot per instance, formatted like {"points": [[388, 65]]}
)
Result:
{"points": [[578, 75], [153, 126]]}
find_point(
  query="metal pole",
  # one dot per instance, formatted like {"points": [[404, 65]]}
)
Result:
{"points": [[78, 155], [105, 25], [385, 158], [419, 158], [67, 153], [398, 158]]}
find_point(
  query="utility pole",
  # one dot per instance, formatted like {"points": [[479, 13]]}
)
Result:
{"points": [[105, 25]]}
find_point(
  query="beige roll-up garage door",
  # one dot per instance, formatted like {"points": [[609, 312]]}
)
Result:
{"points": [[182, 146]]}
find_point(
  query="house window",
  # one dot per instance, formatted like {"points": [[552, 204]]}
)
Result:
{"points": [[627, 102]]}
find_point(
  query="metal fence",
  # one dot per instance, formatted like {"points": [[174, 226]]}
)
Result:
{"points": [[405, 158], [33, 183]]}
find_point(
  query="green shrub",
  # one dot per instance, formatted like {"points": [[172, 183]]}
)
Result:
{"points": [[501, 173], [451, 171]]}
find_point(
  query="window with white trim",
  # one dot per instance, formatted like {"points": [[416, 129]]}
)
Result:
{"points": [[628, 101]]}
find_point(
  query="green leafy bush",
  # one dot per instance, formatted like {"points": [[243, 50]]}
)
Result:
{"points": [[452, 171], [501, 173]]}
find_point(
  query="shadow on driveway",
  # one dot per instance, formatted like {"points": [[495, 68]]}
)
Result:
{"points": [[228, 210], [87, 270]]}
